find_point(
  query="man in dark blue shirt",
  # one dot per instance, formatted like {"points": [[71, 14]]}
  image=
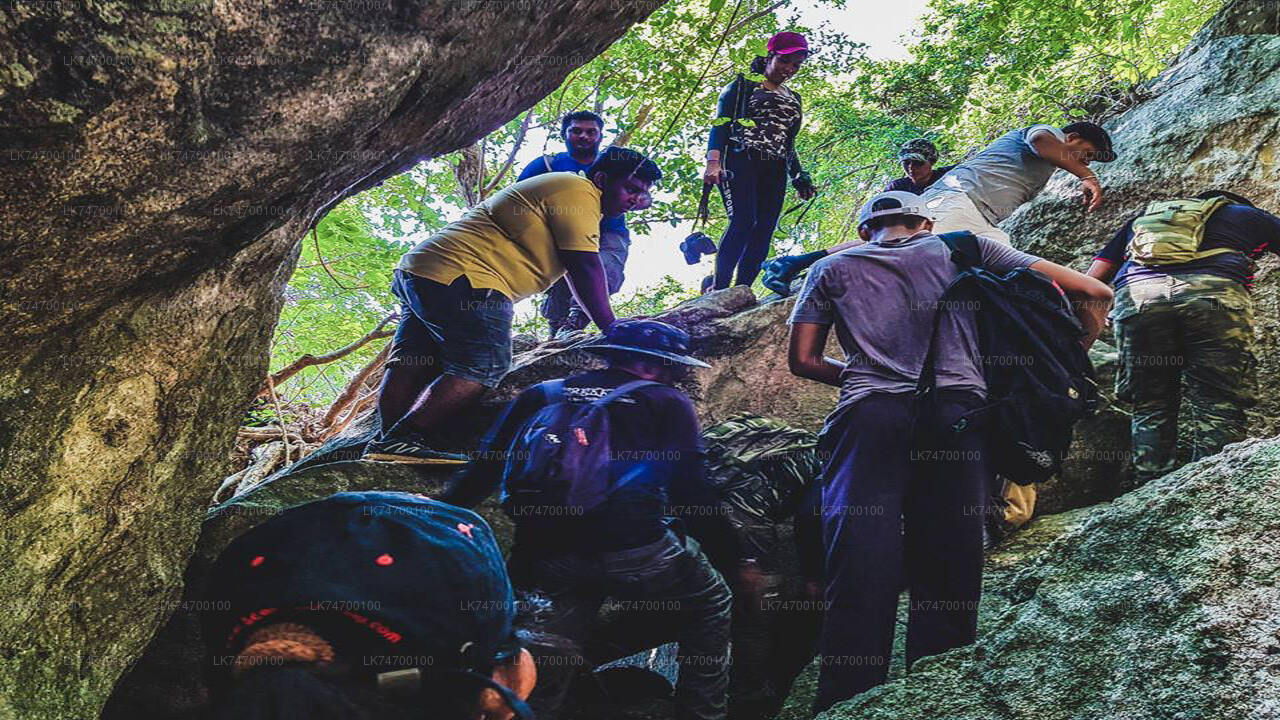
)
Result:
{"points": [[1185, 331], [625, 548], [581, 132]]}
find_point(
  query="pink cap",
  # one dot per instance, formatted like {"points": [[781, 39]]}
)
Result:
{"points": [[785, 43]]}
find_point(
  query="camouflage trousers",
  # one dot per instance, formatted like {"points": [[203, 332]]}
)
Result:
{"points": [[1187, 364]]}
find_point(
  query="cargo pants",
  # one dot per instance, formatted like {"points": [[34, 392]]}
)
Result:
{"points": [[1186, 363]]}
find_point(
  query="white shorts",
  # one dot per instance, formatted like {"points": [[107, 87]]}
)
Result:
{"points": [[953, 211]]}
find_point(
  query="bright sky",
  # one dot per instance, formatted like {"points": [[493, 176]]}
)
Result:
{"points": [[883, 25]]}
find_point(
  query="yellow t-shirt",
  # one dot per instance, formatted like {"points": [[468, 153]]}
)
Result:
{"points": [[509, 242]]}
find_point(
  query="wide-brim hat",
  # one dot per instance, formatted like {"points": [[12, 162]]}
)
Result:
{"points": [[647, 337], [379, 573]]}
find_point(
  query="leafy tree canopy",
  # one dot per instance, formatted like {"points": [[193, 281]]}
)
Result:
{"points": [[976, 68]]}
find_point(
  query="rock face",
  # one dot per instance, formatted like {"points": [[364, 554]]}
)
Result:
{"points": [[1210, 121], [161, 162], [1163, 604]]}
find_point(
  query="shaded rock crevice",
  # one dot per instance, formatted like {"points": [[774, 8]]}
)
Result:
{"points": [[162, 162]]}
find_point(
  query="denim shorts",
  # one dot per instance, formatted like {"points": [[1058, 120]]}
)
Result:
{"points": [[465, 332]]}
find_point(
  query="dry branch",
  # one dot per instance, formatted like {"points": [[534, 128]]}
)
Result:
{"points": [[309, 360]]}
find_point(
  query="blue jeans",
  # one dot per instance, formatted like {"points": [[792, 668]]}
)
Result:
{"points": [[899, 506], [663, 592], [464, 331]]}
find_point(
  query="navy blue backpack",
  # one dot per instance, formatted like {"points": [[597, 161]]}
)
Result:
{"points": [[1040, 381], [559, 463]]}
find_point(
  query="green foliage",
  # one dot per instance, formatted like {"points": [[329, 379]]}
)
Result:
{"points": [[333, 303], [976, 69]]}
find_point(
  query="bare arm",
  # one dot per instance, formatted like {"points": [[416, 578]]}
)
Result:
{"points": [[805, 358], [1102, 271], [1049, 147], [586, 277], [1090, 298]]}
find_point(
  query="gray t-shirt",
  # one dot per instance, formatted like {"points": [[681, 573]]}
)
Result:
{"points": [[1006, 174], [882, 298]]}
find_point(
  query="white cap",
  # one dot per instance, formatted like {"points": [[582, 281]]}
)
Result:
{"points": [[904, 203]]}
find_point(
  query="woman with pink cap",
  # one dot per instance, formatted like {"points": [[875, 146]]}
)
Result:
{"points": [[751, 161]]}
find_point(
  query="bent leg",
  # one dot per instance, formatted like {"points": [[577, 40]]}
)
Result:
{"points": [[1152, 356], [1220, 376]]}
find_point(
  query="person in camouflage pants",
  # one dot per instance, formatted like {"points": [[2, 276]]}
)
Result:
{"points": [[1186, 353], [1185, 332]]}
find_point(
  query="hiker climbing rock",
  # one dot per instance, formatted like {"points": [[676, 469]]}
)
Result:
{"points": [[979, 193], [751, 163], [766, 472], [1183, 322], [366, 605], [893, 460], [581, 132], [458, 286], [590, 468]]}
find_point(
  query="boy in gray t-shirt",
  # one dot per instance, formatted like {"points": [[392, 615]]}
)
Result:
{"points": [[891, 462], [981, 192]]}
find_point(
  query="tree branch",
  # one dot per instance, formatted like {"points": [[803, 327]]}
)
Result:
{"points": [[352, 390], [315, 238], [755, 16], [309, 360], [511, 157]]}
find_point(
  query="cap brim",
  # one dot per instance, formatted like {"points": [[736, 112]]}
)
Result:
{"points": [[789, 51], [607, 349], [913, 156]]}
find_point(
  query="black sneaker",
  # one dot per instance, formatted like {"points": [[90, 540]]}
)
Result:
{"points": [[402, 449]]}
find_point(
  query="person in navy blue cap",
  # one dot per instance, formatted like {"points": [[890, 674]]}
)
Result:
{"points": [[366, 605], [627, 547]]}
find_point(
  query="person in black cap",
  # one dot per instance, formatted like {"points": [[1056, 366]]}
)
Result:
{"points": [[627, 547], [366, 605]]}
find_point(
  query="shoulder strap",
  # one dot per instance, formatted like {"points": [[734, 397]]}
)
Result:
{"points": [[553, 391], [623, 389], [546, 160], [965, 251], [928, 374]]}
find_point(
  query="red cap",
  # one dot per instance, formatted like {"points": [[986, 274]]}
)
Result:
{"points": [[785, 43]]}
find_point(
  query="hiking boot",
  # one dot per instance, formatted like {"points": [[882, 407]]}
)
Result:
{"points": [[402, 448]]}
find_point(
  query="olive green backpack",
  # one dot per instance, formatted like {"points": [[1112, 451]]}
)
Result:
{"points": [[1170, 231]]}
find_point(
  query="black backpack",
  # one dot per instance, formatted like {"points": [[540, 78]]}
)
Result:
{"points": [[559, 463], [1040, 380]]}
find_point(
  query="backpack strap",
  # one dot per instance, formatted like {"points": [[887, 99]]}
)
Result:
{"points": [[553, 391], [623, 389], [965, 251]]}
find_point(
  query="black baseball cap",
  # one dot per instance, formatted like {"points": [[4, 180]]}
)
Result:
{"points": [[383, 576]]}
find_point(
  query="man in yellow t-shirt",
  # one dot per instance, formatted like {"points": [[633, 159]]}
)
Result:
{"points": [[458, 286]]}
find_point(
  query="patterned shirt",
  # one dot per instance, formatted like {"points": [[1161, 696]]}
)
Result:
{"points": [[774, 112]]}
